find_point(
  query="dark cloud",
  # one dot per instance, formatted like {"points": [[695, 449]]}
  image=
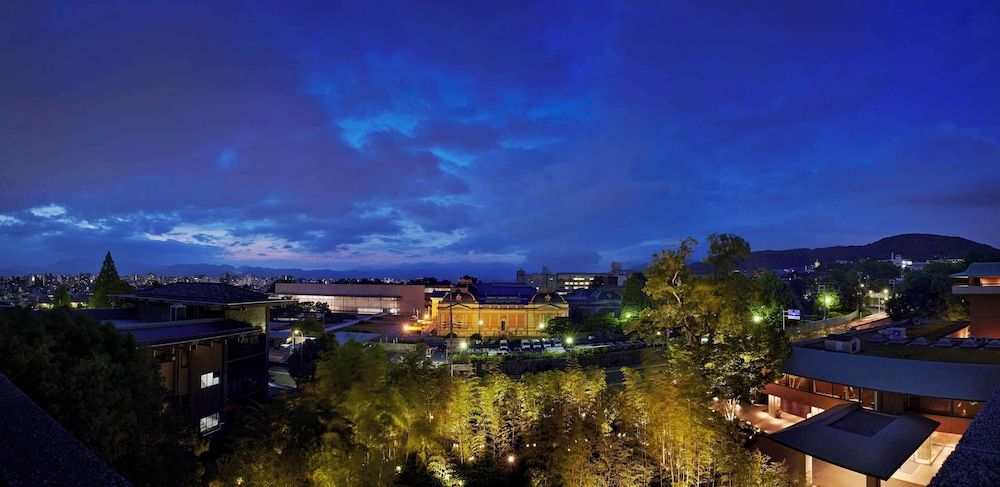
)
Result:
{"points": [[506, 134]]}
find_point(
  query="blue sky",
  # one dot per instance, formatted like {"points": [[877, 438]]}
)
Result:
{"points": [[374, 135]]}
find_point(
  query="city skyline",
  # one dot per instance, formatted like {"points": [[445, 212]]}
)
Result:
{"points": [[480, 136]]}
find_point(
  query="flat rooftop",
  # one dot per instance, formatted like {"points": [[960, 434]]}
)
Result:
{"points": [[864, 441], [921, 343], [173, 332]]}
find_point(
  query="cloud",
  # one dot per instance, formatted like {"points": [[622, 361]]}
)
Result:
{"points": [[7, 220], [485, 134], [48, 211]]}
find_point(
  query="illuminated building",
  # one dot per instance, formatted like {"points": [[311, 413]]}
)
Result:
{"points": [[567, 282], [208, 340], [890, 401], [394, 299], [498, 310], [980, 285]]}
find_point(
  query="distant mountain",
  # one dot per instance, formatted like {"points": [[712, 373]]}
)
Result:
{"points": [[912, 246], [498, 272]]}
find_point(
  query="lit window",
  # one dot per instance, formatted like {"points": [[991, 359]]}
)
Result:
{"points": [[209, 422], [209, 380]]}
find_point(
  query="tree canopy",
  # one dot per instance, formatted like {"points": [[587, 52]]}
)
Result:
{"points": [[730, 322], [367, 421], [102, 388], [927, 294], [107, 284]]}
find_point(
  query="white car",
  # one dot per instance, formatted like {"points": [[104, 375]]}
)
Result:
{"points": [[504, 347], [525, 345]]}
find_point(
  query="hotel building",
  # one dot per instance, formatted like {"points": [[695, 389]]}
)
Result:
{"points": [[887, 403], [209, 342]]}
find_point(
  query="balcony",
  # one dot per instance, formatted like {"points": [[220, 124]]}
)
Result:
{"points": [[966, 289]]}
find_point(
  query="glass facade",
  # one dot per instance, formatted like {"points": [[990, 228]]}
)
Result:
{"points": [[866, 397], [356, 304], [944, 407]]}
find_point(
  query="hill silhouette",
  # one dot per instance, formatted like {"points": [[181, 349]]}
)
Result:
{"points": [[912, 246]]}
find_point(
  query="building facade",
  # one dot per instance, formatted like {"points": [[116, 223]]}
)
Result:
{"points": [[394, 299], [585, 304], [904, 378], [568, 282], [209, 342], [980, 285], [497, 310]]}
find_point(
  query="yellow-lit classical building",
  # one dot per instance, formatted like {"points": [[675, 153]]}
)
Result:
{"points": [[497, 310]]}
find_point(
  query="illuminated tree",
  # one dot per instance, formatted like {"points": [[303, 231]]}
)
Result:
{"points": [[634, 298]]}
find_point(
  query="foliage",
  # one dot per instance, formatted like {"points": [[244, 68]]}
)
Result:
{"points": [[927, 294], [310, 327], [366, 421], [726, 252], [730, 322], [102, 388], [634, 299], [302, 362], [61, 298], [107, 284]]}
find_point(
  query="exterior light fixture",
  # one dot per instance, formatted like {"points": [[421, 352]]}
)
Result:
{"points": [[510, 459], [757, 318], [462, 345], [569, 340]]}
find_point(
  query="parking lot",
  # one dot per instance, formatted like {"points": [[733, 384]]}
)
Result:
{"points": [[525, 346]]}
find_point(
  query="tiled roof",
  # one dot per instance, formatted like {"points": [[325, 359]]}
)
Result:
{"points": [[36, 450], [204, 292]]}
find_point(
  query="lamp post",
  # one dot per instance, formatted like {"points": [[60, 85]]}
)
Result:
{"points": [[827, 300]]}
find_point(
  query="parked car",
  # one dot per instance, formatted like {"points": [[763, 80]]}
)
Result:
{"points": [[536, 344], [504, 347]]}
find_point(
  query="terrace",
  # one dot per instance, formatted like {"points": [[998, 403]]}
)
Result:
{"points": [[939, 341]]}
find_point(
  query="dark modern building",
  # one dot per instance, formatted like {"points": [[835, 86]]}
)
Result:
{"points": [[209, 339], [889, 403], [591, 303]]}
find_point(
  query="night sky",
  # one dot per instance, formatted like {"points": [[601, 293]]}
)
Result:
{"points": [[494, 134]]}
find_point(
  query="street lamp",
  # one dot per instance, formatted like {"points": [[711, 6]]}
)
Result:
{"points": [[757, 318], [569, 341], [462, 345], [827, 300]]}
